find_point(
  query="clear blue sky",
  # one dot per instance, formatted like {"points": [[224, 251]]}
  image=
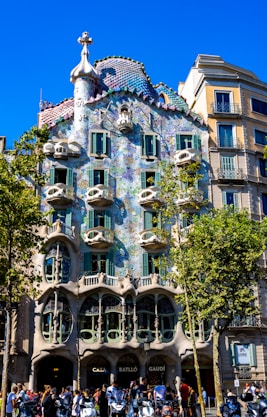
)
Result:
{"points": [[39, 48]]}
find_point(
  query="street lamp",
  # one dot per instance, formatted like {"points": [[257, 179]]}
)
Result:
{"points": [[146, 349]]}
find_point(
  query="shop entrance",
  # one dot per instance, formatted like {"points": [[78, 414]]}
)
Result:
{"points": [[128, 370], [98, 373], [56, 371], [156, 370]]}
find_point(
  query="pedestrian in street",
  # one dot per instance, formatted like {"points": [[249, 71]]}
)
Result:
{"points": [[51, 403], [184, 392], [11, 403], [103, 402], [75, 412]]}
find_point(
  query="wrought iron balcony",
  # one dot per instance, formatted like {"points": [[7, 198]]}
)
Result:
{"points": [[60, 194], [149, 196], [99, 237], [232, 142], [100, 195], [232, 108], [226, 175]]}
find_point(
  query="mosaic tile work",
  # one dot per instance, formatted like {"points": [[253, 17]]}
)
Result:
{"points": [[121, 82]]}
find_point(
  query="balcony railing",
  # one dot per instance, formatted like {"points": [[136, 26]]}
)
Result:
{"points": [[231, 174], [149, 239], [60, 193], [99, 237], [232, 142], [232, 108], [250, 321], [190, 196], [187, 156], [149, 196], [59, 227], [100, 195]]}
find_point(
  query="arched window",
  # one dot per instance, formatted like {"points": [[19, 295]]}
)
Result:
{"points": [[145, 310], [56, 319], [167, 321], [88, 322], [129, 323], [57, 263], [112, 318]]}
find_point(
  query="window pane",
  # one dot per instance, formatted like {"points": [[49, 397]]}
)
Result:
{"points": [[226, 136], [259, 106], [260, 137]]}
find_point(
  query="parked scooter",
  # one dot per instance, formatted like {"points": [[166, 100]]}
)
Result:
{"points": [[256, 408], [118, 407], [145, 408], [164, 408], [87, 409], [231, 408]]}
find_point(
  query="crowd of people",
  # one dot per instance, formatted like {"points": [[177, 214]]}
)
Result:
{"points": [[68, 402]]}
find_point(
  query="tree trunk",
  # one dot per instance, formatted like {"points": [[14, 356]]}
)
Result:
{"points": [[216, 367], [6, 360], [196, 363]]}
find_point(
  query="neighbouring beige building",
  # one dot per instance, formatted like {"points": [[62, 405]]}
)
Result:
{"points": [[233, 103]]}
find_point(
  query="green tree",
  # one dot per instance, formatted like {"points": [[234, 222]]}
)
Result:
{"points": [[221, 271], [214, 262], [20, 218]]}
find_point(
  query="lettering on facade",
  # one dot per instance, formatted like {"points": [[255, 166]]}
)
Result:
{"points": [[156, 368], [99, 370], [128, 369]]}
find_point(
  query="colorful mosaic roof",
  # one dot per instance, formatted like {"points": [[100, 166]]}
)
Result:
{"points": [[112, 75]]}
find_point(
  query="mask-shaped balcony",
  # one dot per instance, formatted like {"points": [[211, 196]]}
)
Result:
{"points": [[187, 156], [61, 150], [100, 195], [189, 198], [99, 237], [61, 194], [149, 240], [124, 121], [149, 196]]}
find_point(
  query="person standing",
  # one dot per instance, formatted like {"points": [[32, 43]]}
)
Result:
{"points": [[11, 403], [76, 403], [184, 392], [204, 396], [103, 402], [51, 403]]}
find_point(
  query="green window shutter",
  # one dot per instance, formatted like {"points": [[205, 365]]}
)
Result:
{"points": [[159, 224], [235, 196], [107, 215], [69, 180], [104, 143], [196, 142], [145, 265], [52, 176], [87, 261], [157, 178], [162, 270], [148, 220], [94, 142], [110, 269], [143, 144], [232, 354], [252, 354], [143, 180], [155, 145], [106, 177], [224, 198], [91, 177], [178, 143], [91, 219], [68, 217]]}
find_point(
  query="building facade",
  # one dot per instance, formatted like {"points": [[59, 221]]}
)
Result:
{"points": [[233, 103], [105, 311]]}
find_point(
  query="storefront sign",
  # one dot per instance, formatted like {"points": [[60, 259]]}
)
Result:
{"points": [[155, 368], [128, 369]]}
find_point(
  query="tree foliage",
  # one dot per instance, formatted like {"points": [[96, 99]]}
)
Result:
{"points": [[20, 214], [214, 262]]}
